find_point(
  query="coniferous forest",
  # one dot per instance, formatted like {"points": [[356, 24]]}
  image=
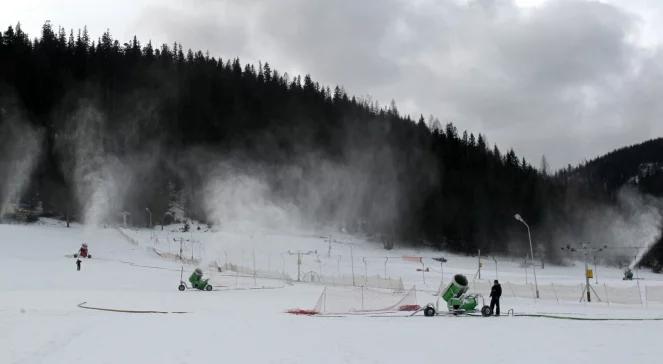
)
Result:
{"points": [[92, 128]]}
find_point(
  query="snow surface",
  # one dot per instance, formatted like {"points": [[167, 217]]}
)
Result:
{"points": [[41, 323]]}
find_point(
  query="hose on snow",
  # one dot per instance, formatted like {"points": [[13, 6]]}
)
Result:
{"points": [[82, 305]]}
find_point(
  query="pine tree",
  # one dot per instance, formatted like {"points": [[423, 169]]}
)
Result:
{"points": [[267, 72], [544, 165]]}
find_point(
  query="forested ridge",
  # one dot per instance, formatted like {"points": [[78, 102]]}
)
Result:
{"points": [[639, 166], [161, 122]]}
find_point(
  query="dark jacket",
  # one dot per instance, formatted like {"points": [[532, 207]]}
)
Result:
{"points": [[496, 291]]}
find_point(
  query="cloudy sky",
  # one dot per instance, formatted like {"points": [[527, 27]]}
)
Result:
{"points": [[566, 79]]}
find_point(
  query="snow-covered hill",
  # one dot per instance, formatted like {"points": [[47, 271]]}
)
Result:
{"points": [[139, 270]]}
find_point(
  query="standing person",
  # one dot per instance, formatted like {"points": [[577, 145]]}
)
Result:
{"points": [[495, 294]]}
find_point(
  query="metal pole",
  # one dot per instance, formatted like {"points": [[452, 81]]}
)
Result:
{"points": [[441, 273], [479, 264], [639, 291], [352, 264], [495, 259], [362, 297], [385, 266], [365, 270], [423, 269], [589, 296], [531, 250], [555, 291], [254, 268], [282, 265], [299, 266]]}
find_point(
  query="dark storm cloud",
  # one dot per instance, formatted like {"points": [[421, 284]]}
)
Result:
{"points": [[568, 79]]}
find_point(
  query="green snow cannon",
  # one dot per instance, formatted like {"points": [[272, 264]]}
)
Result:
{"points": [[456, 288], [457, 299], [455, 295], [196, 280]]}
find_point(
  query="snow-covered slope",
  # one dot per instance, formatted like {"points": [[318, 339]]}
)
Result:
{"points": [[40, 289]]}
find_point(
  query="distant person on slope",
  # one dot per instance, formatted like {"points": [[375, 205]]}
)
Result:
{"points": [[495, 294], [197, 280]]}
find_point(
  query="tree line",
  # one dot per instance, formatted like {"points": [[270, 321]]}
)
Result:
{"points": [[447, 189]]}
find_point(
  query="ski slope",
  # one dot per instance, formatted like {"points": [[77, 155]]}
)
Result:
{"points": [[40, 290]]}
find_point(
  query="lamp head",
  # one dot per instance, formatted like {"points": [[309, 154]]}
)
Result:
{"points": [[518, 217]]}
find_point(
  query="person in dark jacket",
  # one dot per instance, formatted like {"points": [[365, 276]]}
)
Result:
{"points": [[495, 294]]}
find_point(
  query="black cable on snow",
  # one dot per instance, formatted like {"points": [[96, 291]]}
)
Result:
{"points": [[558, 317], [82, 305]]}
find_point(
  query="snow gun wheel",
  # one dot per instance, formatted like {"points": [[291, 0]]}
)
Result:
{"points": [[485, 311], [208, 287], [429, 311], [181, 287]]}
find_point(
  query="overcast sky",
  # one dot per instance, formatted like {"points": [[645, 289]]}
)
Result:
{"points": [[568, 79]]}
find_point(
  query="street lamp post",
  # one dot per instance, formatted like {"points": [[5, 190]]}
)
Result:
{"points": [[531, 250]]}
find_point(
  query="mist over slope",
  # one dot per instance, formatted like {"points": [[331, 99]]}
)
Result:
{"points": [[629, 182], [162, 134]]}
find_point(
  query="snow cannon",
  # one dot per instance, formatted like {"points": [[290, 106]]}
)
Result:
{"points": [[455, 295], [456, 288], [196, 280], [457, 299], [628, 274]]}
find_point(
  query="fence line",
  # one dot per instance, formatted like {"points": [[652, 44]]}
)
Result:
{"points": [[636, 294], [365, 269]]}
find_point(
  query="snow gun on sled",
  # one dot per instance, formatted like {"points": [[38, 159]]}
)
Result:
{"points": [[196, 280], [83, 252], [457, 299]]}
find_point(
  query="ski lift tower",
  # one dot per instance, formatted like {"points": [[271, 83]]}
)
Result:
{"points": [[299, 254]]}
